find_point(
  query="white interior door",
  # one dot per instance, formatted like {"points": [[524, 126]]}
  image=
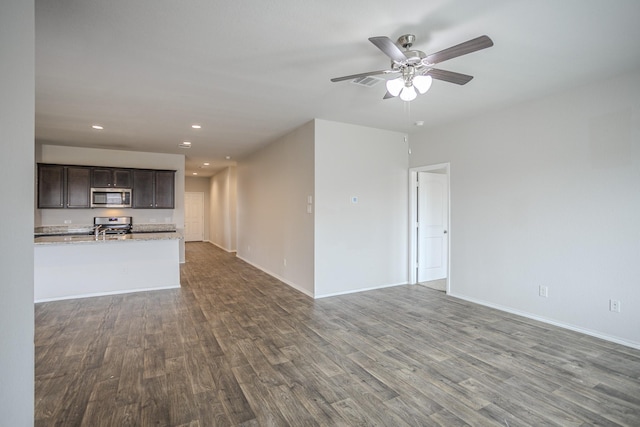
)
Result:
{"points": [[433, 217], [193, 217]]}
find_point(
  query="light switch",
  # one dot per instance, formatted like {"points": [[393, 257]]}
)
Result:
{"points": [[310, 200], [309, 209]]}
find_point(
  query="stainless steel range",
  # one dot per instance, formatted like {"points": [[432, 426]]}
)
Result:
{"points": [[112, 224]]}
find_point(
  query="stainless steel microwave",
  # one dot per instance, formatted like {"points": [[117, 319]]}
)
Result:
{"points": [[110, 197]]}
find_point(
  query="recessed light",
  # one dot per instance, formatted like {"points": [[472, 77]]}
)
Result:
{"points": [[196, 126], [185, 144], [195, 173], [228, 157], [419, 123], [97, 127], [206, 163]]}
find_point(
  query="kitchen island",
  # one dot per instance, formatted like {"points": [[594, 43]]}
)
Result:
{"points": [[78, 266]]}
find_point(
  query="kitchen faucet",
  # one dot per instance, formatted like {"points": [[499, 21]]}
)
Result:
{"points": [[98, 229]]}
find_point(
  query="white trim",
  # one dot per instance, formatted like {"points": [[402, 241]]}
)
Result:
{"points": [[571, 327], [231, 251], [283, 280], [413, 218], [355, 291], [101, 294]]}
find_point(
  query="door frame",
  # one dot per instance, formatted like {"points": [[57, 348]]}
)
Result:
{"points": [[413, 218]]}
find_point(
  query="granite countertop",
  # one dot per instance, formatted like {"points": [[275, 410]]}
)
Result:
{"points": [[72, 230], [109, 238]]}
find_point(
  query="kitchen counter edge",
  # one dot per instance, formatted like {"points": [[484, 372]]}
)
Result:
{"points": [[90, 239]]}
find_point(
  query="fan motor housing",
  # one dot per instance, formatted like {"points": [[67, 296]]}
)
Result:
{"points": [[414, 56]]}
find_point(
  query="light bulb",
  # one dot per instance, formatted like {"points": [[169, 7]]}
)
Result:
{"points": [[395, 86], [422, 83], [408, 93]]}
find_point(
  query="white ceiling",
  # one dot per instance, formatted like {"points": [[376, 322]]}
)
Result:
{"points": [[250, 71]]}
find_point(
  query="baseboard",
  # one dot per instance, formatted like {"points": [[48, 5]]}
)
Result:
{"points": [[528, 315], [355, 291], [102, 294], [282, 279], [231, 251]]}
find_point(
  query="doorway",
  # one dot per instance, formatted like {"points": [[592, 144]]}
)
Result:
{"points": [[193, 217], [429, 236]]}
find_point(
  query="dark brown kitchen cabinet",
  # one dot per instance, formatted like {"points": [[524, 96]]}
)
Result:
{"points": [[110, 178], [69, 186], [51, 186], [164, 192], [63, 186], [78, 187], [142, 189], [153, 189]]}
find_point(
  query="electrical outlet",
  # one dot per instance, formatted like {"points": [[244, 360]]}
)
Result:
{"points": [[543, 291], [614, 305]]}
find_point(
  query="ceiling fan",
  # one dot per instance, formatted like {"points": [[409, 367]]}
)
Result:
{"points": [[415, 67]]}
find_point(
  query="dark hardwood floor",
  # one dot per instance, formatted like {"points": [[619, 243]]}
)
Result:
{"points": [[234, 346]]}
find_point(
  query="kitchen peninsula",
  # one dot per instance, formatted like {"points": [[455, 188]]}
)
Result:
{"points": [[75, 265]]}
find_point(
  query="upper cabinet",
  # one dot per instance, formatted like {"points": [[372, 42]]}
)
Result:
{"points": [[153, 189], [142, 189], [62, 186], [78, 187], [65, 186], [51, 192], [110, 178], [164, 191]]}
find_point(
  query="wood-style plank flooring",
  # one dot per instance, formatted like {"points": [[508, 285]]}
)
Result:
{"points": [[234, 346]]}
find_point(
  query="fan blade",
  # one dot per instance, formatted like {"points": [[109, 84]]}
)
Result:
{"points": [[389, 48], [387, 95], [355, 76], [470, 46], [449, 76]]}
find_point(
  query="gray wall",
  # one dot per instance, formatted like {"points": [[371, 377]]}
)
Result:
{"points": [[273, 224], [223, 209], [339, 246], [547, 193], [361, 245], [16, 246]]}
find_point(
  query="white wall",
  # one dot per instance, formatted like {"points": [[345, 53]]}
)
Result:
{"points": [[273, 224], [548, 193], [16, 246], [116, 158], [223, 187], [201, 185], [360, 245]]}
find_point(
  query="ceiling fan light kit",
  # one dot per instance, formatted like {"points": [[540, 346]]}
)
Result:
{"points": [[416, 67]]}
